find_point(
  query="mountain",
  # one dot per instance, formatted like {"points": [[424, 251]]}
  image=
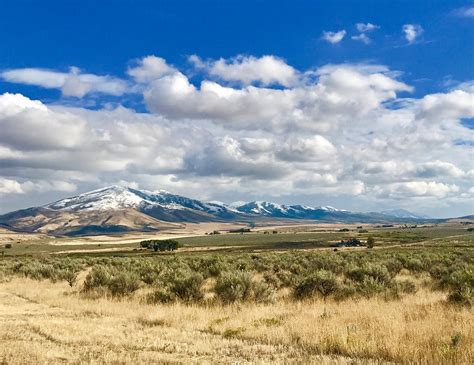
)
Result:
{"points": [[402, 213], [119, 209]]}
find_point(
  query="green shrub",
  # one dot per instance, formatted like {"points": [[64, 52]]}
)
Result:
{"points": [[263, 293], [123, 283], [398, 288], [234, 286], [186, 286], [462, 296], [461, 286], [370, 270], [70, 276], [161, 295], [370, 242], [99, 277], [322, 282], [369, 286]]}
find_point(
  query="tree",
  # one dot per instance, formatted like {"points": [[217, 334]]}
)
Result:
{"points": [[160, 245], [370, 242]]}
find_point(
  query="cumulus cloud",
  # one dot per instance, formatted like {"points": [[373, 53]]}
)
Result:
{"points": [[23, 123], [341, 92], [307, 149], [8, 186], [420, 189], [412, 32], [362, 27], [362, 38], [334, 134], [150, 68], [72, 83], [453, 105], [334, 37], [266, 70]]}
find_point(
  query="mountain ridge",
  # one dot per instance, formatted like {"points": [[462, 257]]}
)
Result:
{"points": [[119, 208]]}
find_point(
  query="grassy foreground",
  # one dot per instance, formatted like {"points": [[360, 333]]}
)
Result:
{"points": [[44, 322], [393, 304]]}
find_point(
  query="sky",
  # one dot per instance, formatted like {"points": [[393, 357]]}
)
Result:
{"points": [[361, 105]]}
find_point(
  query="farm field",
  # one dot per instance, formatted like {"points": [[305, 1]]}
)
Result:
{"points": [[250, 298]]}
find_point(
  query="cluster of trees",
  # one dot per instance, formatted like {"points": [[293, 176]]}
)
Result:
{"points": [[160, 245], [354, 242]]}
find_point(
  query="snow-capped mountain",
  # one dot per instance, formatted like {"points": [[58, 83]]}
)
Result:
{"points": [[268, 209], [121, 197], [120, 208]]}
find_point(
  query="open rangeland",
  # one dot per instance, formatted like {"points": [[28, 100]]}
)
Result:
{"points": [[269, 298]]}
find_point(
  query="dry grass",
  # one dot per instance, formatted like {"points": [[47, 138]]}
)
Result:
{"points": [[42, 322]]}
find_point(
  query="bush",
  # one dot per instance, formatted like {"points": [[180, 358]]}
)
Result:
{"points": [[99, 277], [462, 296], [234, 286], [322, 282], [370, 242], [398, 288], [187, 287], [161, 295], [102, 279], [369, 286], [124, 283], [8, 245], [461, 285], [263, 293], [375, 271], [70, 275]]}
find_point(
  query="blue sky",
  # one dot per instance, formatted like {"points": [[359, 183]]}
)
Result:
{"points": [[419, 48], [102, 39]]}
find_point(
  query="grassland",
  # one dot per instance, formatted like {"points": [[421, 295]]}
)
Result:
{"points": [[258, 298]]}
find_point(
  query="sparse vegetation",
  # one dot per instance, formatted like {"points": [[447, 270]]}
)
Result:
{"points": [[370, 242], [357, 294]]}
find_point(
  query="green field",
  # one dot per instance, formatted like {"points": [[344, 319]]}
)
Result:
{"points": [[455, 235]]}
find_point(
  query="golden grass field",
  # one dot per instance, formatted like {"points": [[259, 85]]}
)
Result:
{"points": [[49, 323]]}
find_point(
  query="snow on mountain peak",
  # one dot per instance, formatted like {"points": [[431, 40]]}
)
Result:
{"points": [[112, 197]]}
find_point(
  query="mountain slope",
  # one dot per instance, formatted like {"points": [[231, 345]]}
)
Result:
{"points": [[120, 209]]}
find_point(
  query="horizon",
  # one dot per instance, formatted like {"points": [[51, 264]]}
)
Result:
{"points": [[231, 203], [366, 106]]}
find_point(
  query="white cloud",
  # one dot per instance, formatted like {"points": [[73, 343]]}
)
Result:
{"points": [[150, 68], [341, 92], [421, 189], [362, 28], [266, 70], [453, 105], [412, 32], [467, 11], [8, 186], [334, 37], [30, 125], [43, 186], [73, 83], [332, 135], [307, 149], [467, 86], [362, 38]]}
